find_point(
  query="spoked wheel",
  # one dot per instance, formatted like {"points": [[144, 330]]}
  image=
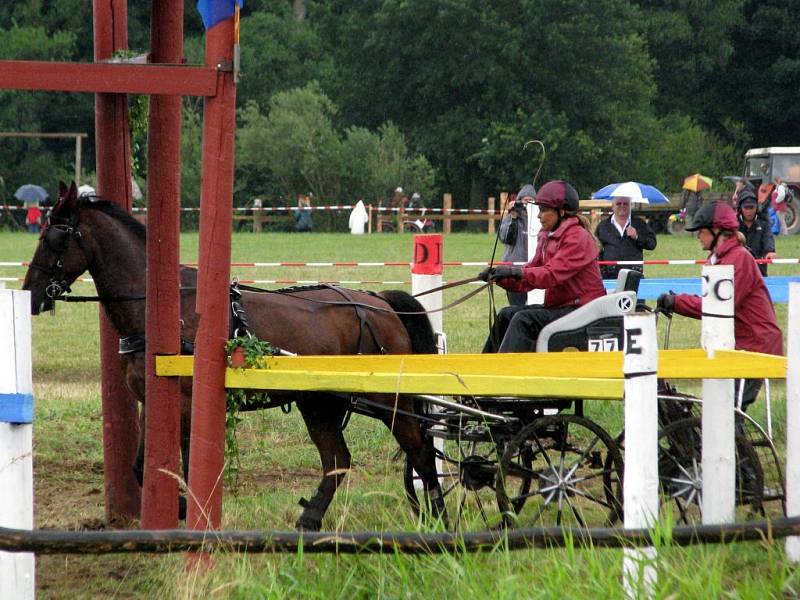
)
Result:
{"points": [[681, 478], [774, 496], [467, 470], [576, 474]]}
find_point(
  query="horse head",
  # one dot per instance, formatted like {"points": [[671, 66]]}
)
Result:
{"points": [[60, 256]]}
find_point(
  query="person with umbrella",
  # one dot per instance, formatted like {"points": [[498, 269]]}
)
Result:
{"points": [[623, 237], [32, 195], [564, 266], [755, 325], [692, 196]]}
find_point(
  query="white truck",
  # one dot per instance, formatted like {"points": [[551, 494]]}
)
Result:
{"points": [[763, 165]]}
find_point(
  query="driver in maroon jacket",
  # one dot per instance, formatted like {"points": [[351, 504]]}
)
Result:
{"points": [[755, 326], [565, 266]]}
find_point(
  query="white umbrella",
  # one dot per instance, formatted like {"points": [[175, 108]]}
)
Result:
{"points": [[637, 192]]}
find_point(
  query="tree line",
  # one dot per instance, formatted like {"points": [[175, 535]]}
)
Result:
{"points": [[348, 99]]}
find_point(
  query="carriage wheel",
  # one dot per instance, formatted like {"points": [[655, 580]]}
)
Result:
{"points": [[576, 473], [680, 472], [774, 497], [467, 468]]}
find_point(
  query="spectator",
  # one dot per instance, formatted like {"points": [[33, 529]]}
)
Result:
{"points": [[779, 197], [565, 266], [742, 183], [755, 326], [757, 231], [514, 234], [690, 202], [33, 218], [623, 237], [302, 214]]}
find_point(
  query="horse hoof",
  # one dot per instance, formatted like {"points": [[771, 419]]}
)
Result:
{"points": [[182, 508]]}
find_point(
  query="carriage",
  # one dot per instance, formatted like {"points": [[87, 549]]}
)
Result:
{"points": [[486, 462], [534, 461]]}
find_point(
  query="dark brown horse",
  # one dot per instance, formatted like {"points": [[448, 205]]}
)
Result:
{"points": [[94, 235]]}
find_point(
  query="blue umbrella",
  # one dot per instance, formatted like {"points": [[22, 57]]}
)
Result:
{"points": [[31, 194], [637, 192]]}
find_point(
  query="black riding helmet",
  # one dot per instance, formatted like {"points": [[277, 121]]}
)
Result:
{"points": [[714, 215]]}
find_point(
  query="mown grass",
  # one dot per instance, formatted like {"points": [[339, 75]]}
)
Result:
{"points": [[279, 464]]}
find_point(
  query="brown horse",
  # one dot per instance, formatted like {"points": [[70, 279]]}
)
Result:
{"points": [[94, 235]]}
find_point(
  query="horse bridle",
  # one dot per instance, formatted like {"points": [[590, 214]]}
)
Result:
{"points": [[56, 235]]}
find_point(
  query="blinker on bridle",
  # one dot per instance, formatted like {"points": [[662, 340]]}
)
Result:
{"points": [[56, 236]]}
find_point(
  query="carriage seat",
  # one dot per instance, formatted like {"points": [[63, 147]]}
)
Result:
{"points": [[597, 325]]}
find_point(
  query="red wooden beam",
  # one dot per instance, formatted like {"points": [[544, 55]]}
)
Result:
{"points": [[216, 199], [112, 78], [120, 419], [163, 313]]}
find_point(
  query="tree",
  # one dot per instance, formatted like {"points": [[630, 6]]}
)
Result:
{"points": [[295, 141], [453, 74], [691, 43], [760, 88], [375, 163]]}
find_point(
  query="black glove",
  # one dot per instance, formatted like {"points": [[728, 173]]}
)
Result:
{"points": [[507, 271], [666, 302], [486, 274]]}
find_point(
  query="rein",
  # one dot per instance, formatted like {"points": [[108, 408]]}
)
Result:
{"points": [[464, 298]]}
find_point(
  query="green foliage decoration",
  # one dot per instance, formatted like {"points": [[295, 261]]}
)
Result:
{"points": [[239, 399]]}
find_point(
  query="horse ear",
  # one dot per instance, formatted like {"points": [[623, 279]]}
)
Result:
{"points": [[62, 189]]}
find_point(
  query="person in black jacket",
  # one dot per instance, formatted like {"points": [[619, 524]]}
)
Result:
{"points": [[757, 230], [623, 237]]}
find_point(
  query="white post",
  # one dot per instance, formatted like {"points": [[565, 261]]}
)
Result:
{"points": [[534, 227], [719, 452], [793, 418], [426, 274], [16, 438], [640, 486]]}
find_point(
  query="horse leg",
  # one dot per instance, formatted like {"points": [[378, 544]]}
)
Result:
{"points": [[420, 452], [186, 430], [323, 416], [138, 463]]}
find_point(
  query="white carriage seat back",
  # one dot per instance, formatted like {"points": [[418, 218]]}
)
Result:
{"points": [[628, 280], [617, 304]]}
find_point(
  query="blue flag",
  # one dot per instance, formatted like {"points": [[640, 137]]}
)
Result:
{"points": [[214, 11]]}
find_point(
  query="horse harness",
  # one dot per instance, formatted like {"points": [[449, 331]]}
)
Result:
{"points": [[239, 326], [55, 235]]}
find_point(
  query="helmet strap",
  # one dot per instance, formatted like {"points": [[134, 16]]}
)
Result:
{"points": [[715, 240]]}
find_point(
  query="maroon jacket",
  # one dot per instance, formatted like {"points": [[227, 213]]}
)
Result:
{"points": [[565, 266], [755, 326]]}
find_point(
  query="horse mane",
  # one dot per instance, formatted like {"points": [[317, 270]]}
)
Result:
{"points": [[115, 212]]}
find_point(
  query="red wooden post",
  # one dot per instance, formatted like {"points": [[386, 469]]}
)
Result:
{"points": [[163, 404], [112, 142], [216, 204]]}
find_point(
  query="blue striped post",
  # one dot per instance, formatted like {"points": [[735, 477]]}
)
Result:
{"points": [[16, 438]]}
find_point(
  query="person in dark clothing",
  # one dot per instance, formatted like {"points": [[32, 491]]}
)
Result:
{"points": [[691, 201], [513, 233], [565, 266], [302, 214], [623, 237], [757, 231]]}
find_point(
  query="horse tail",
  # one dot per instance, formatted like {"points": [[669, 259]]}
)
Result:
{"points": [[418, 325]]}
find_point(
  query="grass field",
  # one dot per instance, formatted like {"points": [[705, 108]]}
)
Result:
{"points": [[279, 465]]}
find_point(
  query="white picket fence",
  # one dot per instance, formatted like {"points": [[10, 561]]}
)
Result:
{"points": [[16, 438]]}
